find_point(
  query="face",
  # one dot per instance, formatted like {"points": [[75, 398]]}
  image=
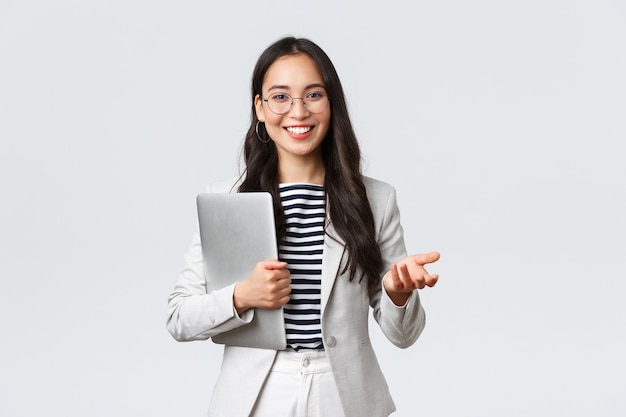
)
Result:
{"points": [[297, 133]]}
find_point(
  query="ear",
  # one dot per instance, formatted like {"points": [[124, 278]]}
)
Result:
{"points": [[258, 105]]}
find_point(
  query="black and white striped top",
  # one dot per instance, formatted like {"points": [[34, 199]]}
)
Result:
{"points": [[302, 249]]}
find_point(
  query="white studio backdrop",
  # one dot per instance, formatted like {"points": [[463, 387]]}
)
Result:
{"points": [[501, 124]]}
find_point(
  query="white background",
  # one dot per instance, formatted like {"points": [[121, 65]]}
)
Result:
{"points": [[501, 124]]}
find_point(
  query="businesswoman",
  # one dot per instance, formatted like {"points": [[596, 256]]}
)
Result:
{"points": [[341, 252]]}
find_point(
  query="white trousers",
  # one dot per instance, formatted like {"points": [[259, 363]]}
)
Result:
{"points": [[299, 385]]}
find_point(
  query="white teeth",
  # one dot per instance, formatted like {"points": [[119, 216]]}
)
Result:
{"points": [[299, 130]]}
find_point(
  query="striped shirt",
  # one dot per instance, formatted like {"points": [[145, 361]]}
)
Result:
{"points": [[302, 249]]}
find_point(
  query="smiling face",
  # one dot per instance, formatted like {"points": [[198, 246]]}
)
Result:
{"points": [[298, 133]]}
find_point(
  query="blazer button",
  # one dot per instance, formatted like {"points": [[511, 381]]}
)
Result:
{"points": [[331, 341], [211, 319]]}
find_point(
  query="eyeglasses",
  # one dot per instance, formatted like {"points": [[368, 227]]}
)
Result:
{"points": [[281, 103]]}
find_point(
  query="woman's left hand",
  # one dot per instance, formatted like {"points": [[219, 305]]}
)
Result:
{"points": [[408, 275]]}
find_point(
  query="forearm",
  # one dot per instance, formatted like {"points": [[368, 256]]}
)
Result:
{"points": [[199, 317], [402, 325]]}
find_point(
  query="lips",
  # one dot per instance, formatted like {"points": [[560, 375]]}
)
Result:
{"points": [[299, 130]]}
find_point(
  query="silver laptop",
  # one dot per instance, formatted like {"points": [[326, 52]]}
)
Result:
{"points": [[237, 231]]}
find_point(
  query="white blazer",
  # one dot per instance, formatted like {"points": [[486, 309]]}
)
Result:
{"points": [[195, 315]]}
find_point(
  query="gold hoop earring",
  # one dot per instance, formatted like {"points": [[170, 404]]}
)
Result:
{"points": [[256, 129]]}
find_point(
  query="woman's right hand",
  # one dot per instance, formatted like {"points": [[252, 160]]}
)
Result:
{"points": [[268, 287]]}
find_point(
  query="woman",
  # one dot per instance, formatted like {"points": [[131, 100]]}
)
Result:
{"points": [[341, 250]]}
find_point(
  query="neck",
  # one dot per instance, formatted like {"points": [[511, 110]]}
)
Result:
{"points": [[310, 171]]}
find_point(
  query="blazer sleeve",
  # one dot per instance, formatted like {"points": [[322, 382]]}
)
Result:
{"points": [[401, 325], [194, 314]]}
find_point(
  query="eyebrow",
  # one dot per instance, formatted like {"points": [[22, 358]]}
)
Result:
{"points": [[286, 87]]}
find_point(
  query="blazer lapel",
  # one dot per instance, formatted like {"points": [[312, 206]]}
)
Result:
{"points": [[334, 248]]}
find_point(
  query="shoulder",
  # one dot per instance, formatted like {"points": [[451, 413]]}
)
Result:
{"points": [[377, 189], [381, 195], [228, 185]]}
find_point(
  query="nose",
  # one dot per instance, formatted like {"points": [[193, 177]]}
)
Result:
{"points": [[298, 109]]}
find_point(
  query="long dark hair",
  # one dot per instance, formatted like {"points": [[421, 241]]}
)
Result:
{"points": [[346, 197]]}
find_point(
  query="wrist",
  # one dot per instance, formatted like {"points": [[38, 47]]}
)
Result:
{"points": [[397, 297], [238, 300]]}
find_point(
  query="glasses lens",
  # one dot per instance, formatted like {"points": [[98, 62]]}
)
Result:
{"points": [[316, 102], [279, 103]]}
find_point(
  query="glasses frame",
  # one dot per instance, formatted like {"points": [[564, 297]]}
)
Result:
{"points": [[291, 104]]}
